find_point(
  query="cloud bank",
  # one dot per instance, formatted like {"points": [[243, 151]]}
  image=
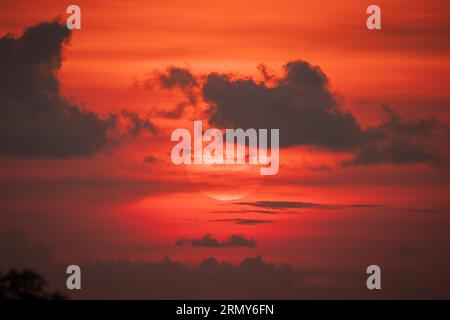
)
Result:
{"points": [[301, 104], [37, 121], [235, 240]]}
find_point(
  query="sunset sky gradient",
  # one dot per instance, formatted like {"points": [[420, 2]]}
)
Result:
{"points": [[324, 218]]}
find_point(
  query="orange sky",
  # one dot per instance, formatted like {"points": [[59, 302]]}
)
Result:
{"points": [[406, 62]]}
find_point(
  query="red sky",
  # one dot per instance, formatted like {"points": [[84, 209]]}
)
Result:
{"points": [[113, 205]]}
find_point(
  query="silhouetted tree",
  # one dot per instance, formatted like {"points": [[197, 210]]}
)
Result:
{"points": [[25, 285]]}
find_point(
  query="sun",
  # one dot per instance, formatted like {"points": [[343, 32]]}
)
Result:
{"points": [[225, 182]]}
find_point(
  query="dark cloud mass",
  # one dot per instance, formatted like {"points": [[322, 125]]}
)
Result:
{"points": [[37, 121], [301, 104], [235, 240], [398, 141], [177, 77], [281, 204], [252, 278], [182, 78], [244, 211]]}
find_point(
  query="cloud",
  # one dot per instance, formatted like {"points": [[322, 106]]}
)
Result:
{"points": [[302, 205], [244, 221], [397, 141], [252, 278], [37, 121], [282, 204], [244, 211], [301, 104], [137, 123], [176, 77], [235, 240]]}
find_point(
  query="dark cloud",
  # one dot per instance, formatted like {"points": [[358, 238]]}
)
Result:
{"points": [[267, 73], [302, 205], [244, 221], [177, 77], [397, 141], [171, 78], [235, 240], [301, 104], [252, 278], [37, 121], [307, 113], [150, 159], [244, 211], [137, 123], [282, 204]]}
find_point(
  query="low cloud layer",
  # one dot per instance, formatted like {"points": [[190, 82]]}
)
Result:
{"points": [[235, 240], [37, 121], [398, 141], [252, 278]]}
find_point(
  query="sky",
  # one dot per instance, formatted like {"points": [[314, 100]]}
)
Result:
{"points": [[86, 175]]}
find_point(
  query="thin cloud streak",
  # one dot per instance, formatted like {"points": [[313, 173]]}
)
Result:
{"points": [[244, 221], [280, 205]]}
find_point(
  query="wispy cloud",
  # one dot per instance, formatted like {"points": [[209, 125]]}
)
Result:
{"points": [[244, 221], [303, 205], [244, 211]]}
